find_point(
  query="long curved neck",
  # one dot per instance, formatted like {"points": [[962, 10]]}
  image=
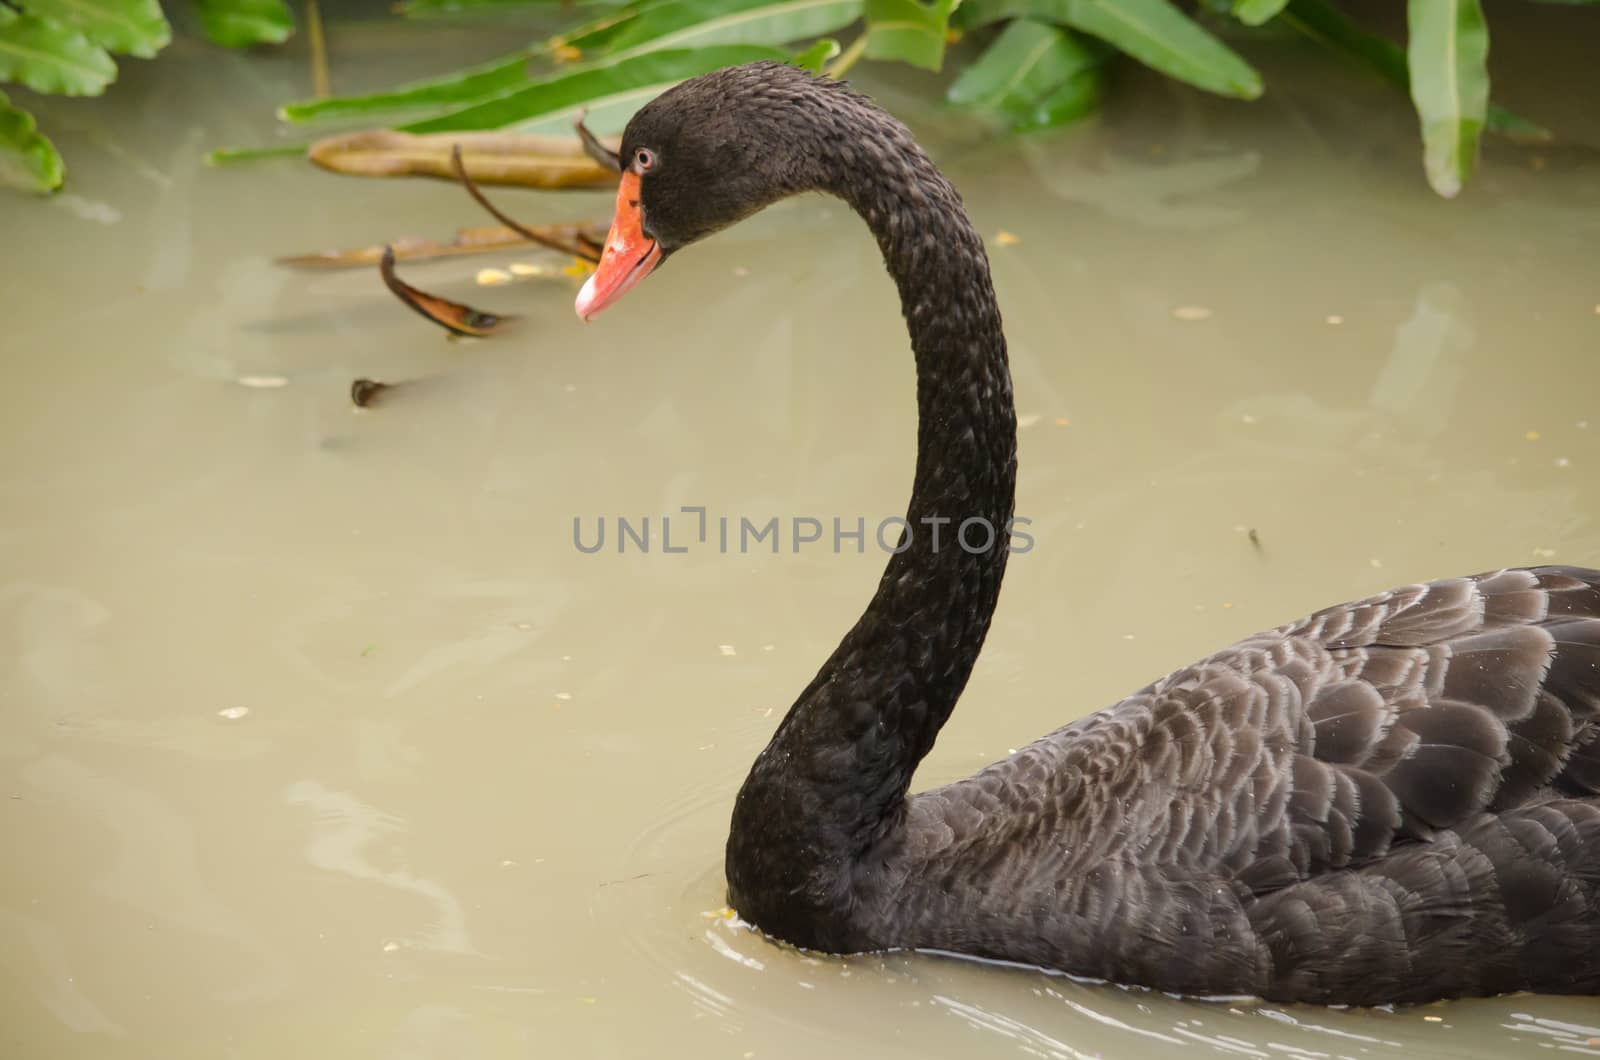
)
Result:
{"points": [[832, 781]]}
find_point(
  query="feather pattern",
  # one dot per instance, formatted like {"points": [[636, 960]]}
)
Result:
{"points": [[1395, 799]]}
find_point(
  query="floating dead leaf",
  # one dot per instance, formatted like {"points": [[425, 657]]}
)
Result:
{"points": [[364, 393], [520, 160], [580, 247], [603, 155], [452, 316], [565, 237]]}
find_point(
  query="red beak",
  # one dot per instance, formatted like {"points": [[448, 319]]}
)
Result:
{"points": [[628, 256]]}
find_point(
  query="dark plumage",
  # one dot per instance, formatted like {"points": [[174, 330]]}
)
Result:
{"points": [[1396, 799]]}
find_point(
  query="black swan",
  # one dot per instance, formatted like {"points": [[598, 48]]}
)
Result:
{"points": [[1393, 800]]}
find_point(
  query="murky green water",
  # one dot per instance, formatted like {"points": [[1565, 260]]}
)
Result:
{"points": [[321, 738]]}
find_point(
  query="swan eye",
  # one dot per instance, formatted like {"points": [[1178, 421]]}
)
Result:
{"points": [[644, 159]]}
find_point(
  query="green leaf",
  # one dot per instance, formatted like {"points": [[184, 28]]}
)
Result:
{"points": [[817, 56], [1024, 65], [1078, 97], [243, 23], [478, 82], [1255, 12], [698, 23], [133, 27], [610, 93], [27, 159], [1159, 35], [909, 31], [46, 56], [423, 9], [1327, 25], [973, 14], [1448, 54]]}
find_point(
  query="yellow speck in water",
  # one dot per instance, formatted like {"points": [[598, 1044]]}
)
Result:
{"points": [[1434, 1019], [1062, 421], [522, 268], [727, 912], [1007, 239], [1192, 312], [579, 268], [1532, 436], [589, 1000], [1333, 318], [1227, 607], [493, 277]]}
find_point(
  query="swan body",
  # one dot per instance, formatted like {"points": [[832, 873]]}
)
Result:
{"points": [[1393, 800]]}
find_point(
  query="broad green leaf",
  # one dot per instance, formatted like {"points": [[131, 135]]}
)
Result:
{"points": [[908, 30], [817, 56], [1077, 97], [243, 23], [698, 23], [973, 14], [1024, 64], [27, 159], [491, 79], [1327, 25], [133, 27], [1447, 53], [610, 93], [421, 9], [47, 56], [465, 86], [1159, 35], [1255, 12]]}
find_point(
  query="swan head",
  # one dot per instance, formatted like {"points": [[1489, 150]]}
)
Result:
{"points": [[704, 155]]}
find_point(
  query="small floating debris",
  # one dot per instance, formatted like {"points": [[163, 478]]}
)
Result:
{"points": [[263, 382], [1532, 436], [565, 697], [452, 316], [727, 649], [1562, 461], [1192, 312], [1028, 420], [233, 713], [1007, 239], [1333, 318], [1062, 421], [493, 277], [365, 392], [1544, 553], [1375, 563], [524, 269]]}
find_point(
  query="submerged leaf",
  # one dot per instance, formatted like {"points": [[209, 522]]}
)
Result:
{"points": [[1163, 38], [467, 241], [27, 159], [615, 91], [243, 23], [1447, 53], [518, 159], [452, 316], [134, 27], [908, 30], [47, 56]]}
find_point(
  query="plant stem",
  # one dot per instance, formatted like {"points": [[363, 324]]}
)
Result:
{"points": [[321, 87], [849, 58]]}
